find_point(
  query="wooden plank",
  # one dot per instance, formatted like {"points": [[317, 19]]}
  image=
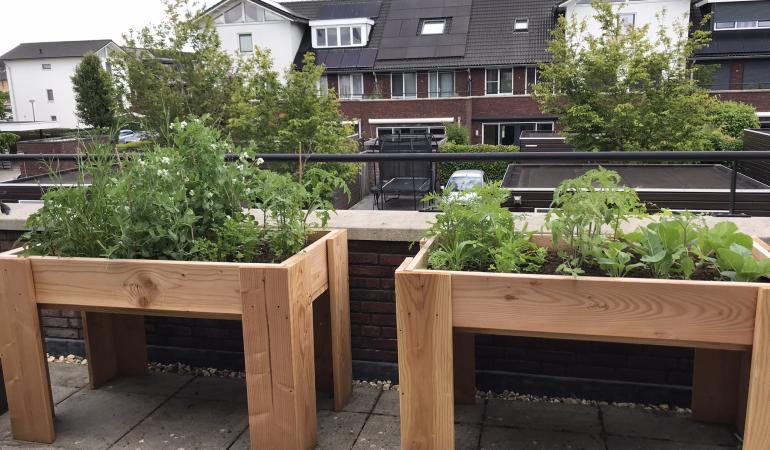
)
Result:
{"points": [[184, 288], [662, 312], [425, 362], [116, 345], [743, 391], [322, 336], [312, 264], [464, 345], [339, 304], [761, 249], [13, 252], [757, 431], [420, 260], [715, 386], [25, 367]]}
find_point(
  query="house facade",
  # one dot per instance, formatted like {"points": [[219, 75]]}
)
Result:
{"points": [[39, 78]]}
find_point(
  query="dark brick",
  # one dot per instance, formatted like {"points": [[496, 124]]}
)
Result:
{"points": [[392, 260], [365, 283], [366, 294], [371, 271], [64, 333], [57, 322], [371, 331], [378, 307], [362, 258], [384, 319]]}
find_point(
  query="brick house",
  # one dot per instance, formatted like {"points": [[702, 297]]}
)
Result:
{"points": [[400, 65]]}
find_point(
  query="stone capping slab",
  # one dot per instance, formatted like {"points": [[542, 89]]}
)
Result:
{"points": [[399, 226]]}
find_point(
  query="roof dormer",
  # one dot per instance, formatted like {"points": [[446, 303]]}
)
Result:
{"points": [[336, 33]]}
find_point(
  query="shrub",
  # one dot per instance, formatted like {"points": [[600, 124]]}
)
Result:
{"points": [[134, 145], [494, 170], [457, 134], [733, 117], [6, 140]]}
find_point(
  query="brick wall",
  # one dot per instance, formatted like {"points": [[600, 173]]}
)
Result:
{"points": [[598, 370]]}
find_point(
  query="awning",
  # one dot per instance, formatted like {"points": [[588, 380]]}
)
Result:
{"points": [[411, 120]]}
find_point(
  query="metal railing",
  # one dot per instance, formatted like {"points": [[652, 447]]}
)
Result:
{"points": [[732, 158]]}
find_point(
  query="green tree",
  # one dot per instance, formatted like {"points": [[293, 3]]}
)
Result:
{"points": [[733, 117], [174, 69], [4, 98], [94, 93], [620, 90], [457, 133]]}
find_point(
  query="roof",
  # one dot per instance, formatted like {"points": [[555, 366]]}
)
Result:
{"points": [[279, 8], [59, 49], [489, 41]]}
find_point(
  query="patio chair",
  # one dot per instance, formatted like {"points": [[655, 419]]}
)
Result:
{"points": [[398, 178]]}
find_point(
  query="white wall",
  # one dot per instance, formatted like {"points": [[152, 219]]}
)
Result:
{"points": [[645, 10], [281, 38], [27, 80]]}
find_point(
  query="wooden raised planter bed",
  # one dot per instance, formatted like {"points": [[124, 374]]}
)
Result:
{"points": [[275, 302], [439, 312]]}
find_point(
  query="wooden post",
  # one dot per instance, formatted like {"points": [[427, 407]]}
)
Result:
{"points": [[25, 367], [116, 345], [424, 319], [757, 431], [339, 304], [465, 368], [322, 334], [715, 385]]}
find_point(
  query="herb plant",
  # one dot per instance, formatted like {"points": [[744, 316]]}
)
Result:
{"points": [[183, 202]]}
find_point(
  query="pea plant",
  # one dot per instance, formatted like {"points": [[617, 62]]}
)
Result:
{"points": [[181, 201]]}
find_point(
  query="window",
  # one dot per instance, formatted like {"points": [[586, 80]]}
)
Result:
{"points": [[351, 86], [53, 118], [628, 19], [403, 85], [531, 79], [520, 24], [46, 67], [509, 133], [323, 86], [338, 36], [435, 130], [746, 24], [433, 26], [441, 84], [742, 24], [245, 43], [253, 12], [234, 14], [499, 81], [763, 24], [49, 93]]}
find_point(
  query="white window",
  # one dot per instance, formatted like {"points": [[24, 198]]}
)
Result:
{"points": [[320, 37], [508, 133], [253, 12], [520, 24], [331, 37], [628, 19], [742, 24], [531, 79], [433, 26], [351, 86], [763, 23], [441, 84], [245, 44], [499, 81], [403, 85], [356, 35], [323, 86], [49, 93], [46, 67], [234, 14], [344, 36]]}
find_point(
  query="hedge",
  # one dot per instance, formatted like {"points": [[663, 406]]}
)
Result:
{"points": [[494, 170]]}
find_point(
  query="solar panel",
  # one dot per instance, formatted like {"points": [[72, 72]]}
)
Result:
{"points": [[334, 59], [350, 57], [349, 10], [367, 57]]}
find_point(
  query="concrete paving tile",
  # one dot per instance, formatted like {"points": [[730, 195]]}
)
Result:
{"points": [[543, 416], [363, 399], [188, 423], [389, 403], [384, 433], [61, 393], [95, 419], [518, 439], [163, 384], [336, 430], [675, 427], [467, 436], [626, 443], [470, 413], [211, 388], [68, 375]]}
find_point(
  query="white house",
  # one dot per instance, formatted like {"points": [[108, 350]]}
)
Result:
{"points": [[245, 24], [39, 78], [637, 13]]}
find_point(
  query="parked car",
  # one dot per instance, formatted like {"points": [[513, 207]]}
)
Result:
{"points": [[461, 181], [126, 136]]}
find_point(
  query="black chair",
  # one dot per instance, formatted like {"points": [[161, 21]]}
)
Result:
{"points": [[398, 178]]}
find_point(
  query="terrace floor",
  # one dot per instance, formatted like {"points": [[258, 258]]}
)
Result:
{"points": [[170, 411]]}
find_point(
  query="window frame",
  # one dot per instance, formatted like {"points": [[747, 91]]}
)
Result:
{"points": [[437, 93], [498, 81], [527, 90], [338, 34], [49, 95], [44, 68], [498, 125], [351, 76], [621, 16], [517, 21], [755, 25], [240, 42], [441, 21], [403, 95], [323, 85]]}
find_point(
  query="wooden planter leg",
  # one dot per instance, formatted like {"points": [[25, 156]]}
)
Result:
{"points": [[322, 334], [339, 305], [715, 386], [757, 431], [465, 368], [278, 349], [424, 319], [25, 367], [116, 345]]}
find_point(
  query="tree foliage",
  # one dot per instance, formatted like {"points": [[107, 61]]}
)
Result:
{"points": [[618, 89], [94, 93], [733, 117], [4, 98]]}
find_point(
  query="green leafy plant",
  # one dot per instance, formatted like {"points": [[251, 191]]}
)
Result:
{"points": [[737, 263], [615, 260], [493, 170], [584, 209], [664, 246], [181, 201], [7, 139], [456, 133], [518, 254]]}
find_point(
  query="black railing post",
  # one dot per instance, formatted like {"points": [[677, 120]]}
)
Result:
{"points": [[733, 185]]}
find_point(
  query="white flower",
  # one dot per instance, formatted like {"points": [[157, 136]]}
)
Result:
{"points": [[260, 161], [209, 195], [162, 172], [165, 160], [192, 192], [239, 167], [142, 162], [182, 124]]}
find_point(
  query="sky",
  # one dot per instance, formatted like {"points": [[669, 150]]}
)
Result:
{"points": [[72, 20]]}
